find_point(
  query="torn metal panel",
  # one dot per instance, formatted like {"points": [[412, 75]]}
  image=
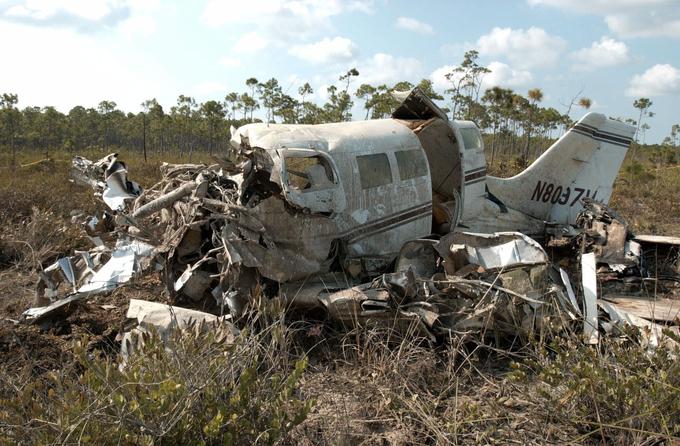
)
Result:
{"points": [[87, 273], [115, 189], [492, 251], [165, 317], [67, 275], [56, 310], [589, 281], [118, 188], [124, 262], [570, 291], [346, 306], [443, 306], [416, 105], [305, 294]]}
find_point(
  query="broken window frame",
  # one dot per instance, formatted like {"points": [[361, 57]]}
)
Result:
{"points": [[318, 200], [307, 153]]}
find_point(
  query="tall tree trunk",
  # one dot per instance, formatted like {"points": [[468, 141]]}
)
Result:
{"points": [[144, 136], [13, 148], [493, 145]]}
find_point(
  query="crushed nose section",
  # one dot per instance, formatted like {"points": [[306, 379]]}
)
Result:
{"points": [[209, 231]]}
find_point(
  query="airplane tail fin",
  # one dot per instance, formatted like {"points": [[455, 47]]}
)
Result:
{"points": [[583, 163]]}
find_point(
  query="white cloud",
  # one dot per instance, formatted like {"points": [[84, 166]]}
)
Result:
{"points": [[411, 24], [327, 50], [251, 42], [209, 89], [284, 19], [659, 80], [438, 77], [529, 48], [82, 71], [230, 62], [130, 16], [605, 53], [628, 18], [502, 75], [384, 68], [44, 9], [84, 15]]}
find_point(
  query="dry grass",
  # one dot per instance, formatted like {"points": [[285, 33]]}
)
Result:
{"points": [[370, 386], [648, 196]]}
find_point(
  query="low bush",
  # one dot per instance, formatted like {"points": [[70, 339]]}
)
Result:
{"points": [[203, 390], [616, 393]]}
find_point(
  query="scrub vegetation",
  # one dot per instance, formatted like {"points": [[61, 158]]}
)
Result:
{"points": [[288, 380], [305, 381]]}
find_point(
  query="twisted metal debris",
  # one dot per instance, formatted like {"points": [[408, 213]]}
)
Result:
{"points": [[212, 232]]}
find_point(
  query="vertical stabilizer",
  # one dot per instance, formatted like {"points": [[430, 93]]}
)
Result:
{"points": [[584, 162]]}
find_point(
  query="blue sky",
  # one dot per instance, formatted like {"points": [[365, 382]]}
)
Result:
{"points": [[70, 52]]}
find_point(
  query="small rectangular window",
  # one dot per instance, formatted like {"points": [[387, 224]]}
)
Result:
{"points": [[374, 170], [471, 138], [411, 164]]}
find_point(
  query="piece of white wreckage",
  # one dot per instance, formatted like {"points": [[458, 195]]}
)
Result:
{"points": [[294, 204], [84, 275], [162, 319]]}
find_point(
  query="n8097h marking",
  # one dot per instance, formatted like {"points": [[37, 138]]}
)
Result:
{"points": [[548, 192]]}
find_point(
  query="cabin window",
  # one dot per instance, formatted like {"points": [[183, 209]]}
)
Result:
{"points": [[309, 173], [374, 170], [471, 138], [411, 164]]}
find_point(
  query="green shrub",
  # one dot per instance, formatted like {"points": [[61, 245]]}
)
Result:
{"points": [[201, 391], [618, 393]]}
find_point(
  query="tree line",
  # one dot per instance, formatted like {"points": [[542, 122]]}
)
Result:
{"points": [[514, 124]]}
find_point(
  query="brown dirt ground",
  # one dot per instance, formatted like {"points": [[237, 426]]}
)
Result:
{"points": [[41, 350]]}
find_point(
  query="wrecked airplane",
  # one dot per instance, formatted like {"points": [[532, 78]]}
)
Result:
{"points": [[367, 187], [319, 214]]}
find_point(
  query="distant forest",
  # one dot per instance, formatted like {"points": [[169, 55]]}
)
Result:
{"points": [[514, 125]]}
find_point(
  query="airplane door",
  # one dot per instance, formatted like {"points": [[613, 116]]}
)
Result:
{"points": [[310, 181]]}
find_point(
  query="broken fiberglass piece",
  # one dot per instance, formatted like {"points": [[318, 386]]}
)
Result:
{"points": [[163, 318], [658, 239], [652, 333], [653, 309]]}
